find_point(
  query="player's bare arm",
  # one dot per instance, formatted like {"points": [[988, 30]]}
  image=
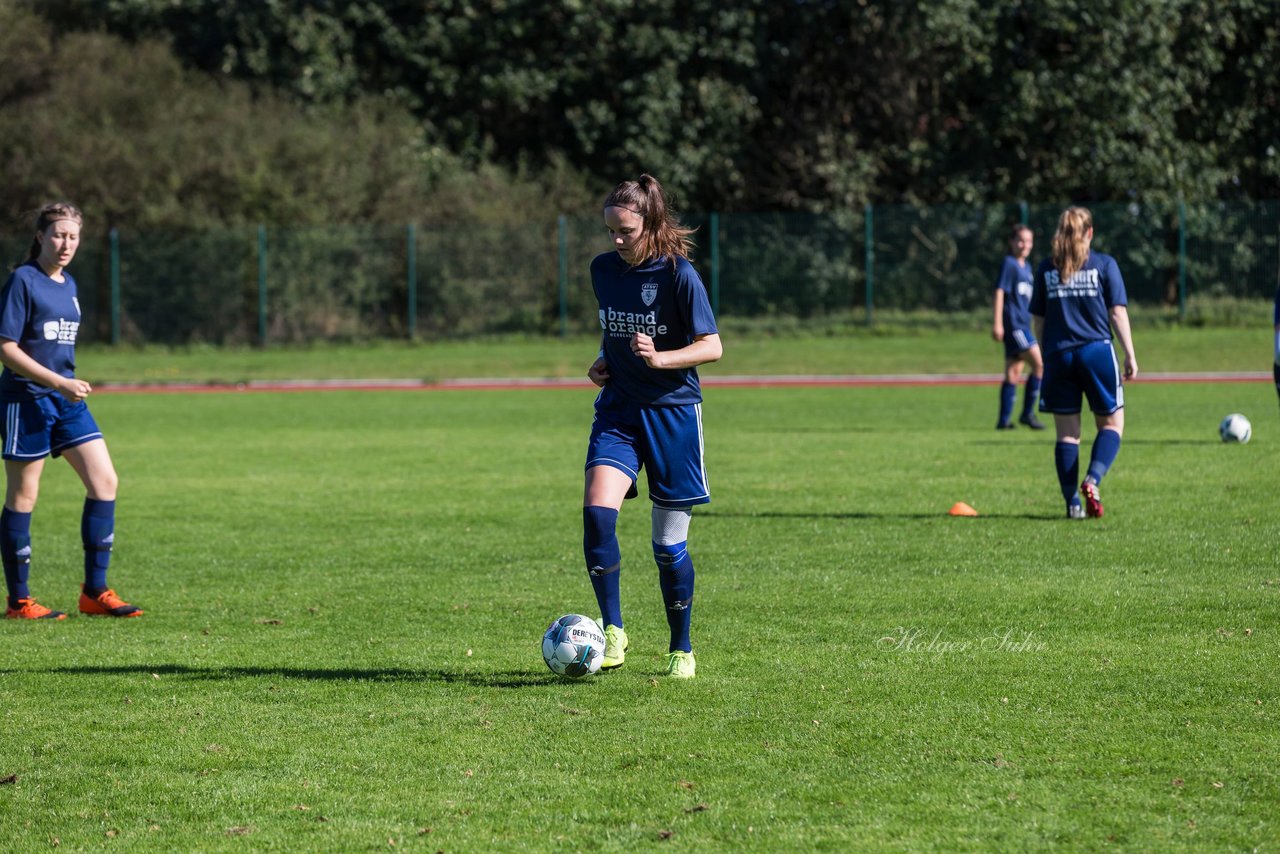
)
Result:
{"points": [[15, 359], [1120, 320], [703, 350], [598, 373], [997, 326]]}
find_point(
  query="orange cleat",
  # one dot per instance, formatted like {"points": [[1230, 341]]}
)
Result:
{"points": [[107, 604], [30, 609]]}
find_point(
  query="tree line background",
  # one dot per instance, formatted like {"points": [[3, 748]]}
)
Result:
{"points": [[222, 113]]}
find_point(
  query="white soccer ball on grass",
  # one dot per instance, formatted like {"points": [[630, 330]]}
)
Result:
{"points": [[573, 646], [1235, 428]]}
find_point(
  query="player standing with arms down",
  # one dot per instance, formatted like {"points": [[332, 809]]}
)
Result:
{"points": [[1275, 368], [657, 328], [44, 413], [1078, 297], [1012, 326]]}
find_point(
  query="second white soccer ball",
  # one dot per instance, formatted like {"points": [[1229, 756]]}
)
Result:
{"points": [[573, 646], [1235, 428]]}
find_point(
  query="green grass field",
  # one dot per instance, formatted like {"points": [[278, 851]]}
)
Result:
{"points": [[345, 594], [858, 351], [346, 590]]}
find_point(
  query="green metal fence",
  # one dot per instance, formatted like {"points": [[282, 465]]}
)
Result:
{"points": [[277, 285]]}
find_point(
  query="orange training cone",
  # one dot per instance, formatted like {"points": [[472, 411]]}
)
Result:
{"points": [[962, 509]]}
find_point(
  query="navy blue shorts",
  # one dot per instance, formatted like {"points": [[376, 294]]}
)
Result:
{"points": [[667, 440], [33, 429], [1017, 342], [1090, 370]]}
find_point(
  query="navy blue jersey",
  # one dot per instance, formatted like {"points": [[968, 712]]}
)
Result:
{"points": [[667, 304], [1078, 311], [43, 316], [1015, 281]]}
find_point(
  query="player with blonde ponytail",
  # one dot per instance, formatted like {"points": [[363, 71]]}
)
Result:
{"points": [[1078, 296]]}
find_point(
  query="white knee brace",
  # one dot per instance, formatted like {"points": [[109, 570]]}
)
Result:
{"points": [[671, 527]]}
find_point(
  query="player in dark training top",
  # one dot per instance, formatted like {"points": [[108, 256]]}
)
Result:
{"points": [[1275, 369], [657, 327], [44, 414], [1012, 327], [1078, 297]]}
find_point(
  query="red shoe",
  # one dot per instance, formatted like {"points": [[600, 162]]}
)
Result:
{"points": [[1092, 499], [30, 609], [107, 604]]}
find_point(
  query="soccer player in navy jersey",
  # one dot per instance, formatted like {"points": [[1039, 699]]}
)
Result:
{"points": [[1275, 368], [657, 328], [44, 414], [1078, 297], [1012, 326]]}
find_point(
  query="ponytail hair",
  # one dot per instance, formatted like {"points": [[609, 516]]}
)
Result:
{"points": [[1070, 249], [663, 234], [45, 217]]}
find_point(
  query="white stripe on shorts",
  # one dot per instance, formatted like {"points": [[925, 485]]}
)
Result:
{"points": [[11, 428], [78, 440], [1115, 366], [702, 457]]}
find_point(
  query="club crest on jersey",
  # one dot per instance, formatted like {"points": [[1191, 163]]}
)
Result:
{"points": [[649, 292]]}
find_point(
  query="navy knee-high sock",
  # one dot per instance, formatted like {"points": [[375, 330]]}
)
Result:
{"points": [[1105, 448], [1008, 395], [98, 533], [675, 578], [604, 560], [1030, 396], [1066, 457], [15, 551]]}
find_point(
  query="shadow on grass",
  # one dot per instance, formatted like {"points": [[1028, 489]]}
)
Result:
{"points": [[1087, 440], [1029, 441], [791, 430], [771, 514], [1162, 442], [494, 679]]}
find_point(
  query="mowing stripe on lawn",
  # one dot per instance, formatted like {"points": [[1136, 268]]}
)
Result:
{"points": [[517, 383]]}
